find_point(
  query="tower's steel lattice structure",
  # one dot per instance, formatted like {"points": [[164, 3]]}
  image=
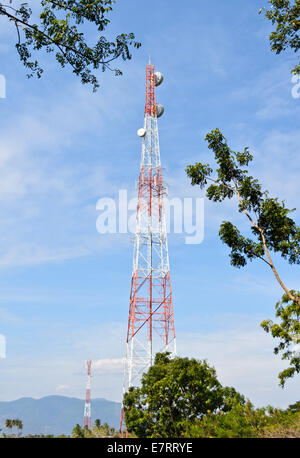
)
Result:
{"points": [[87, 422], [151, 320]]}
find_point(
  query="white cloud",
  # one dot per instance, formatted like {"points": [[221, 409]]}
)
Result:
{"points": [[62, 388], [21, 255], [42, 189], [109, 365], [274, 107]]}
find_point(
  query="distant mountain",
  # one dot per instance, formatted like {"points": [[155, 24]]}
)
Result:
{"points": [[56, 414]]}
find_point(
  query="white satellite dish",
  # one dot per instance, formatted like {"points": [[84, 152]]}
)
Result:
{"points": [[141, 132], [159, 110], [159, 77]]}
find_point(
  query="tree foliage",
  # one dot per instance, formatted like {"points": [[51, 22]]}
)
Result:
{"points": [[287, 331], [246, 421], [231, 398], [239, 421], [98, 430], [77, 432], [285, 14], [61, 28], [172, 393], [10, 423], [294, 407], [271, 227]]}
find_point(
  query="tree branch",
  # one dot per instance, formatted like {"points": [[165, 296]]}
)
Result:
{"points": [[59, 45], [270, 263], [220, 183]]}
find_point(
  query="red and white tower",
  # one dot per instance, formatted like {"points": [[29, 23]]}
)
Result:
{"points": [[151, 320], [87, 406]]}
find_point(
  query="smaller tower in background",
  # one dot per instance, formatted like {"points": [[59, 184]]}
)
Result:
{"points": [[87, 422]]}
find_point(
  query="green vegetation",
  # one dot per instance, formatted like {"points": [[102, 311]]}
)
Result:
{"points": [[289, 314], [241, 421], [271, 228], [182, 397], [247, 422], [97, 430], [172, 391], [10, 424], [285, 14], [61, 28]]}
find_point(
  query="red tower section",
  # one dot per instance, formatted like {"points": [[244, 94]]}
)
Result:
{"points": [[150, 107]]}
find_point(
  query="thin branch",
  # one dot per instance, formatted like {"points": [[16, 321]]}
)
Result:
{"points": [[59, 45], [17, 27], [220, 184], [263, 259], [270, 263], [235, 189], [65, 7], [293, 298], [8, 6]]}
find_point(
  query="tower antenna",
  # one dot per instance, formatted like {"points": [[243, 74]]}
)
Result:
{"points": [[151, 320], [87, 422]]}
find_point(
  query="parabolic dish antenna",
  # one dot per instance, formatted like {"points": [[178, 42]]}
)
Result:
{"points": [[159, 110], [159, 77], [141, 132]]}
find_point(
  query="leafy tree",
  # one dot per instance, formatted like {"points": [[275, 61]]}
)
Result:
{"points": [[172, 393], [246, 421], [61, 28], [97, 423], [77, 431], [19, 424], [103, 430], [8, 424], [281, 423], [287, 331], [294, 407], [240, 421], [15, 422], [271, 227], [230, 398], [97, 430], [285, 14]]}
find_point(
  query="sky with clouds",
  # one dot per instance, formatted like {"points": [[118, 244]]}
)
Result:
{"points": [[65, 287]]}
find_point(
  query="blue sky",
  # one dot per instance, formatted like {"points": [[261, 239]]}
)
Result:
{"points": [[64, 287]]}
